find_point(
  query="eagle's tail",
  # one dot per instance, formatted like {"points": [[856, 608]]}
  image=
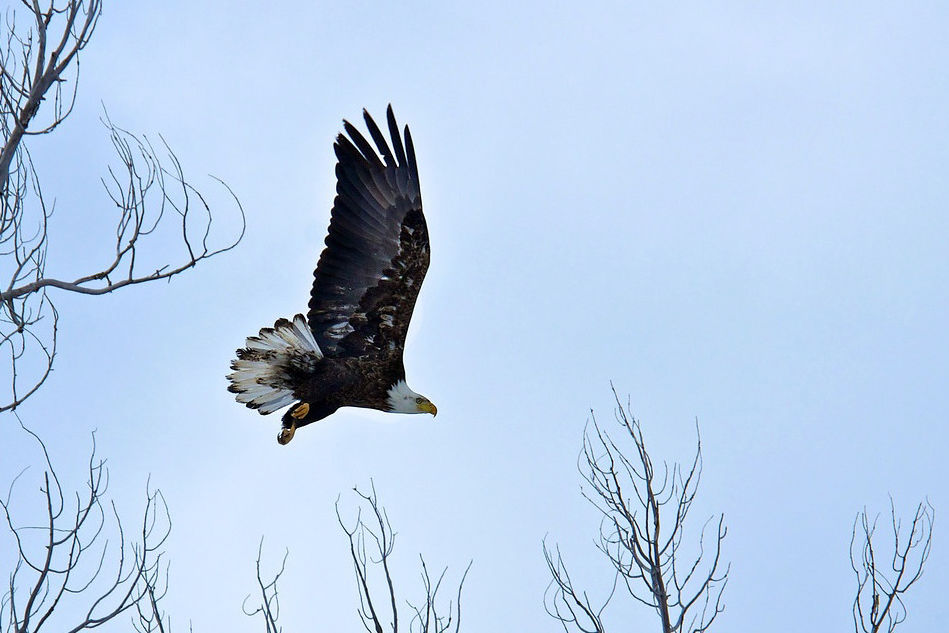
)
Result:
{"points": [[265, 369]]}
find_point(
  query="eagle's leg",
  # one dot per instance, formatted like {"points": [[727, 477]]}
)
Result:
{"points": [[302, 414], [290, 422]]}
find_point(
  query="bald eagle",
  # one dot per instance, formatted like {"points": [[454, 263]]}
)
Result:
{"points": [[347, 351]]}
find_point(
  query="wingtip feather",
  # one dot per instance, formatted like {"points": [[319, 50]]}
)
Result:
{"points": [[396, 137]]}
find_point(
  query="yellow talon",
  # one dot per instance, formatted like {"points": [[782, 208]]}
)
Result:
{"points": [[286, 434], [300, 412]]}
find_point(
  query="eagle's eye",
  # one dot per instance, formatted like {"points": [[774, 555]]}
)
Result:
{"points": [[418, 401]]}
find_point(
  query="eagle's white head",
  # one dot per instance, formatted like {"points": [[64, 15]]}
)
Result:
{"points": [[404, 400]]}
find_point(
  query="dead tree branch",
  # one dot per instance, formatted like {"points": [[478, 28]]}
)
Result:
{"points": [[39, 65], [370, 545], [644, 514], [878, 605], [568, 606], [76, 568], [269, 606]]}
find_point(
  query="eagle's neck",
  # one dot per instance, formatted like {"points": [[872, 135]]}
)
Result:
{"points": [[401, 399]]}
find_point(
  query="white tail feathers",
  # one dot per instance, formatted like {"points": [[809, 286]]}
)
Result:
{"points": [[273, 363]]}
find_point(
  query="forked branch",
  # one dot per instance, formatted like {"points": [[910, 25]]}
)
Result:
{"points": [[75, 567], [39, 62], [882, 582], [269, 607], [644, 515], [371, 544]]}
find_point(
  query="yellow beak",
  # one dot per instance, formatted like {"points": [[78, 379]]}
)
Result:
{"points": [[428, 407]]}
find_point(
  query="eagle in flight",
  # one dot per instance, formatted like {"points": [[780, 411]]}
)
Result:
{"points": [[347, 351]]}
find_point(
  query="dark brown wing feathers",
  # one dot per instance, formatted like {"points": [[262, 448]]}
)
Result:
{"points": [[377, 251]]}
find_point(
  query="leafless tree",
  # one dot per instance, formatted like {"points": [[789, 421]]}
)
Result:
{"points": [[371, 544], [878, 605], [76, 568], [269, 607], [644, 514], [39, 69]]}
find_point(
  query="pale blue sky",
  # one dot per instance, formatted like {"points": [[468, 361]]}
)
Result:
{"points": [[736, 212]]}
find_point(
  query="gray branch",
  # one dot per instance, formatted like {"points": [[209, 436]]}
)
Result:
{"points": [[83, 571], [371, 545], [881, 587], [269, 607], [644, 513], [39, 65]]}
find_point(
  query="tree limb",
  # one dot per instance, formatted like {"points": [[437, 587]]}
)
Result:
{"points": [[644, 511], [78, 563], [147, 187], [878, 605]]}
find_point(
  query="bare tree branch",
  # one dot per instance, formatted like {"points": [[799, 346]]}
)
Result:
{"points": [[34, 64], [269, 606], [644, 513], [39, 66], [71, 574], [428, 616], [878, 605], [565, 604]]}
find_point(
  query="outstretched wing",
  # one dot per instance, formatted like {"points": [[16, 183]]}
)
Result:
{"points": [[377, 252]]}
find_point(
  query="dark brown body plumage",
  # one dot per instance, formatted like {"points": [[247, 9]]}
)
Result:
{"points": [[346, 382]]}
